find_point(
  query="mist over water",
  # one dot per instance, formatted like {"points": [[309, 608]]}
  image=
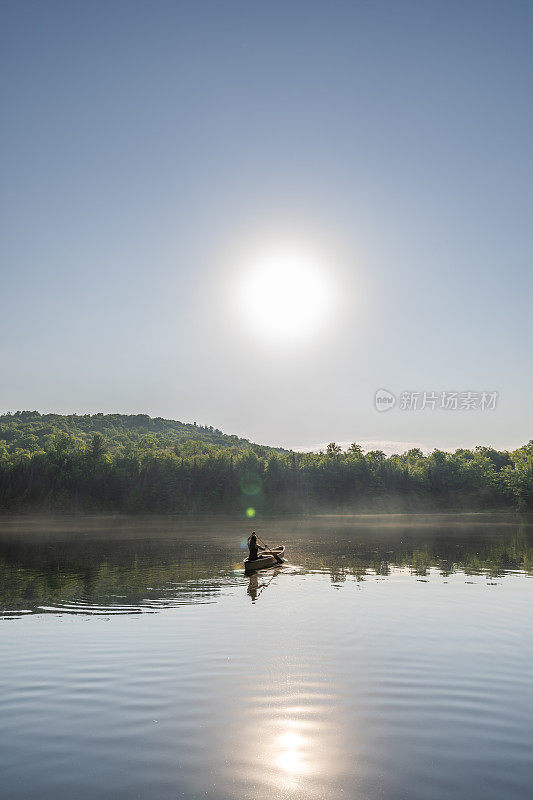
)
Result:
{"points": [[390, 657]]}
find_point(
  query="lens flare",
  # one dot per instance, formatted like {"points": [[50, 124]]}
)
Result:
{"points": [[250, 483]]}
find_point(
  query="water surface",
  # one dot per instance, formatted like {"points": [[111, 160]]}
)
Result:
{"points": [[390, 658]]}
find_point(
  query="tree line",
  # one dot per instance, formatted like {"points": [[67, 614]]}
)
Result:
{"points": [[120, 463]]}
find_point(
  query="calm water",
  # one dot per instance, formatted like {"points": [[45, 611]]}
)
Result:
{"points": [[391, 659]]}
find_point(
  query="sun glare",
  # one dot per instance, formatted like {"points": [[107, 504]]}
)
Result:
{"points": [[285, 296]]}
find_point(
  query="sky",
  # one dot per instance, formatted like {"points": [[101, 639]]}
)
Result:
{"points": [[256, 215]]}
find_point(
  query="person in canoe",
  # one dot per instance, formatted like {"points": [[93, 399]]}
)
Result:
{"points": [[253, 547]]}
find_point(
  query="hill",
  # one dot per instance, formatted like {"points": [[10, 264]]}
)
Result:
{"points": [[26, 433]]}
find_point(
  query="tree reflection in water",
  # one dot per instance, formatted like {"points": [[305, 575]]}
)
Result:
{"points": [[129, 565]]}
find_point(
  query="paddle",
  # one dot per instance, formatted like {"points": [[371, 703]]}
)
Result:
{"points": [[278, 559]]}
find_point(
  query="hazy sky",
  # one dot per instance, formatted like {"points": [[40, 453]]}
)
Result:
{"points": [[155, 155]]}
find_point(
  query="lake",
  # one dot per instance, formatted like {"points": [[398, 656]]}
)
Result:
{"points": [[391, 657]]}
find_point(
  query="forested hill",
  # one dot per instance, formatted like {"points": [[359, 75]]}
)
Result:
{"points": [[25, 433], [120, 463]]}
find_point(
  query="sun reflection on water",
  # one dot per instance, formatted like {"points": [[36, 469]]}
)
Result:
{"points": [[295, 739], [291, 756]]}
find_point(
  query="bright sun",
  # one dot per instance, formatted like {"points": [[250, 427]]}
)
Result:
{"points": [[285, 295]]}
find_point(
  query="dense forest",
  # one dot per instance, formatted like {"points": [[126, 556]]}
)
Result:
{"points": [[121, 463]]}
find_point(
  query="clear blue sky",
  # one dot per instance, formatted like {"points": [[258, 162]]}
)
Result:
{"points": [[145, 145]]}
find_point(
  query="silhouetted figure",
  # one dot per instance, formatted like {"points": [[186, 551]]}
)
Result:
{"points": [[252, 547]]}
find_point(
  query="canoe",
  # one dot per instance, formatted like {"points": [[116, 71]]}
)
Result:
{"points": [[266, 560]]}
